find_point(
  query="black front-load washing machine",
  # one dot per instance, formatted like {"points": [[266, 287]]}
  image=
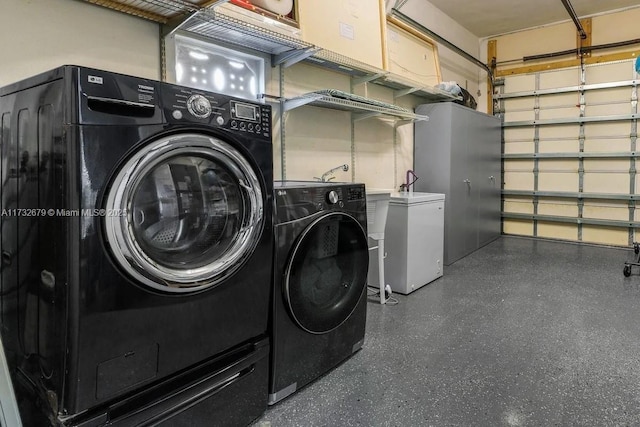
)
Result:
{"points": [[136, 249], [320, 275]]}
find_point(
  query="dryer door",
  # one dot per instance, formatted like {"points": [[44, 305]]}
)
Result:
{"points": [[327, 273], [184, 213]]}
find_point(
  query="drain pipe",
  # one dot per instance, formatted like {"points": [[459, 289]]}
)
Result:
{"points": [[574, 17]]}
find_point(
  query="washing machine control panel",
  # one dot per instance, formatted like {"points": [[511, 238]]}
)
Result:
{"points": [[188, 105]]}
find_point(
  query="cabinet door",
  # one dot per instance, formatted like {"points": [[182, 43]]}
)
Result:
{"points": [[489, 180], [462, 211]]}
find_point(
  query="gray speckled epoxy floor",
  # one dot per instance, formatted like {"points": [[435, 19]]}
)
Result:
{"points": [[520, 333]]}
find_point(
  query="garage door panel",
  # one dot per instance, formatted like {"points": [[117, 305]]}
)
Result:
{"points": [[518, 205], [517, 116], [596, 130], [605, 235], [553, 230], [558, 181], [523, 83], [608, 109], [518, 134], [560, 131], [557, 207], [565, 112], [610, 183], [606, 210], [561, 78], [612, 72], [518, 147], [518, 227], [559, 146], [603, 165], [610, 145], [559, 100], [518, 180]]}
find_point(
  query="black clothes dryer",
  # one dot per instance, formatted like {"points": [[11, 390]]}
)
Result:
{"points": [[136, 249], [320, 273]]}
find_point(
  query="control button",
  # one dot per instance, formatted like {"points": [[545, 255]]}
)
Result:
{"points": [[341, 204], [319, 206], [250, 127], [243, 125], [332, 197], [220, 120], [177, 114], [234, 124], [199, 106], [258, 128]]}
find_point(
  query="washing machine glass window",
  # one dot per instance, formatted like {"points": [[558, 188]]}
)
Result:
{"points": [[326, 273], [184, 213]]}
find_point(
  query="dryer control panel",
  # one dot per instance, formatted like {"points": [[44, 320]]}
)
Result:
{"points": [[188, 105], [298, 199]]}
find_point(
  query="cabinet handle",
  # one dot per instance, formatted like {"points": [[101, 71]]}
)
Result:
{"points": [[468, 182]]}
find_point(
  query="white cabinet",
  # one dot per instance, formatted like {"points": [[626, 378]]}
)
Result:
{"points": [[414, 240]]}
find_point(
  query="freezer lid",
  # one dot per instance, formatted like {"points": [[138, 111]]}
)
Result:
{"points": [[414, 198]]}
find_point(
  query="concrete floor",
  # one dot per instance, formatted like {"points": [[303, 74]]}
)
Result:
{"points": [[520, 333]]}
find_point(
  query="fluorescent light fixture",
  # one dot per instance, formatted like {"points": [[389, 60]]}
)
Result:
{"points": [[194, 80], [198, 55], [193, 69], [179, 72], [237, 65], [218, 79]]}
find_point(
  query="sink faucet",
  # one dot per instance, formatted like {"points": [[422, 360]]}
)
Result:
{"points": [[326, 177], [407, 185]]}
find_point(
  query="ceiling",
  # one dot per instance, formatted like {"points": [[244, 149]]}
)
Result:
{"points": [[491, 17]]}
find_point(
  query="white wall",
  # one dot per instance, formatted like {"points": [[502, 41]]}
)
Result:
{"points": [[38, 35]]}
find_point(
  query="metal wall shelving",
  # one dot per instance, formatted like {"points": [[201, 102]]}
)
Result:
{"points": [[208, 22], [361, 110]]}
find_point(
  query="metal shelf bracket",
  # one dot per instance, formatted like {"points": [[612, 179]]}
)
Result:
{"points": [[368, 78], [404, 92], [291, 104], [293, 56], [363, 116]]}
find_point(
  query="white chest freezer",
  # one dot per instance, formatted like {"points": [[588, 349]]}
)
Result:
{"points": [[414, 240]]}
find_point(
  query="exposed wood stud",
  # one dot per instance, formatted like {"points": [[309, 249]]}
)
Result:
{"points": [[567, 63], [587, 25]]}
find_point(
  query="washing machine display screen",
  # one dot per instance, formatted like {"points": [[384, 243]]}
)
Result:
{"points": [[327, 273], [186, 211], [247, 112]]}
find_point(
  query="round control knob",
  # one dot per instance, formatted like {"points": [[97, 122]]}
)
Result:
{"points": [[220, 120], [199, 106], [332, 197]]}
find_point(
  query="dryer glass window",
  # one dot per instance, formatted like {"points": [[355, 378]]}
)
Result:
{"points": [[187, 211], [327, 273]]}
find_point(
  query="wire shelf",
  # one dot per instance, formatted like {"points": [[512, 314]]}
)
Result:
{"points": [[334, 103], [218, 26]]}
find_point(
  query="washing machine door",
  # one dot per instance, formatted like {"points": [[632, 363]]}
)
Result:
{"points": [[326, 273], [184, 213]]}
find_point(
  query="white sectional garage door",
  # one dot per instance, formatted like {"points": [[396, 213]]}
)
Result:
{"points": [[570, 153]]}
